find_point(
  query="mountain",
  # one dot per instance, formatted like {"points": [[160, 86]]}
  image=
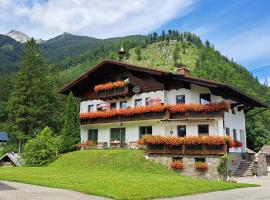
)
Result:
{"points": [[18, 36], [10, 53], [62, 46], [59, 50]]}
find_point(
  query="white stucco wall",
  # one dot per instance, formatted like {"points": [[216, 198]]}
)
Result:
{"points": [[236, 121]]}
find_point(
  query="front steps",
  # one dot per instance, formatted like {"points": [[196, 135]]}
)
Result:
{"points": [[245, 168]]}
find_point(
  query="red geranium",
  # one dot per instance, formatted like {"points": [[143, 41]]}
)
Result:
{"points": [[202, 166], [177, 164]]}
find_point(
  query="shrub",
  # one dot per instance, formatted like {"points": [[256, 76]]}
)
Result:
{"points": [[222, 166], [177, 164], [42, 149], [6, 148], [201, 166]]}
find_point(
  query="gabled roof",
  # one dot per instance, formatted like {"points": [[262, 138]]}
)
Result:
{"points": [[13, 157], [3, 137], [216, 87]]}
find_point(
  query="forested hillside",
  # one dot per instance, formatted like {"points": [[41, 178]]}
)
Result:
{"points": [[162, 52]]}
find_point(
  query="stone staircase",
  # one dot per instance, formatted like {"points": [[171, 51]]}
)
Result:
{"points": [[245, 168]]}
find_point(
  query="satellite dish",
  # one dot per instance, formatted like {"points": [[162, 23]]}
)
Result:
{"points": [[136, 89]]}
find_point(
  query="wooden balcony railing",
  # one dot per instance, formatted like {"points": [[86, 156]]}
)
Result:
{"points": [[165, 112], [113, 93], [187, 149]]}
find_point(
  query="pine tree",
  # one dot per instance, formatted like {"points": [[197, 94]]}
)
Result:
{"points": [[138, 52], [176, 53], [30, 106], [71, 132]]}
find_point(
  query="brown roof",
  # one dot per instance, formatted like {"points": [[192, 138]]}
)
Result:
{"points": [[266, 149], [220, 88]]}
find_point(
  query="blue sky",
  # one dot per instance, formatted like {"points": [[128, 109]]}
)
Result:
{"points": [[239, 29]]}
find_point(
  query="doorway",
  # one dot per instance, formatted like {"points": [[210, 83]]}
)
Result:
{"points": [[118, 135]]}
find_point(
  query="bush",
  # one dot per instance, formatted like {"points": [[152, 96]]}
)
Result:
{"points": [[6, 148], [42, 149]]}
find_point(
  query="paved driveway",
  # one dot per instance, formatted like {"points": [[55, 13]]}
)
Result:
{"points": [[20, 191], [252, 193]]}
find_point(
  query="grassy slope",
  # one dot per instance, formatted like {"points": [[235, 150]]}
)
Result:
{"points": [[160, 56], [120, 174]]}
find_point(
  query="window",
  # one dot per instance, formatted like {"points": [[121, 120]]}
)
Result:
{"points": [[205, 98], [118, 134], [113, 105], [123, 104], [233, 111], [227, 131], [181, 131], [177, 158], [146, 101], [145, 130], [93, 135], [138, 102], [203, 129], [99, 109], [90, 108], [199, 159], [180, 99], [234, 134]]}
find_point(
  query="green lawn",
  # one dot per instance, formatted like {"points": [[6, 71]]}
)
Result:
{"points": [[119, 174]]}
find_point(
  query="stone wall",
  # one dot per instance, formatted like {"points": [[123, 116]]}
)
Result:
{"points": [[188, 161], [260, 164]]}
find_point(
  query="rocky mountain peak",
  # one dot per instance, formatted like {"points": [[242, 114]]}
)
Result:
{"points": [[18, 36]]}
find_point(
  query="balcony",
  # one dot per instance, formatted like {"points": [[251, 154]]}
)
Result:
{"points": [[111, 90], [113, 93], [194, 145], [165, 112], [187, 149]]}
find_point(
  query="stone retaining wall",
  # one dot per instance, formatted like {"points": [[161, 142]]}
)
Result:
{"points": [[188, 161]]}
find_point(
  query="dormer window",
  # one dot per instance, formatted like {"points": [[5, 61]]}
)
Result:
{"points": [[205, 98]]}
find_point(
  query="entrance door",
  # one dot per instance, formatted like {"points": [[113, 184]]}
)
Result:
{"points": [[119, 135]]}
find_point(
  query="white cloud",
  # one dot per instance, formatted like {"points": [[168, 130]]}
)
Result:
{"points": [[248, 45], [107, 18]]}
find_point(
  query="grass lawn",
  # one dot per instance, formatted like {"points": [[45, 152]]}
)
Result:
{"points": [[119, 174]]}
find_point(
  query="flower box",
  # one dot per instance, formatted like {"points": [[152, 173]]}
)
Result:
{"points": [[201, 166], [195, 114], [177, 165], [175, 147], [215, 147], [194, 147], [120, 90], [155, 147], [178, 115], [213, 114], [110, 92]]}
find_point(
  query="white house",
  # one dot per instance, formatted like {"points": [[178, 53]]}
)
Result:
{"points": [[110, 90]]}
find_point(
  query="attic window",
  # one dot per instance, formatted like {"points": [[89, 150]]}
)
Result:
{"points": [[205, 98]]}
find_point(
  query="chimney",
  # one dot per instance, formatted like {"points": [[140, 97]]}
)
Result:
{"points": [[182, 69]]}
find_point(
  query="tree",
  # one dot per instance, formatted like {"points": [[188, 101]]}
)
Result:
{"points": [[138, 52], [42, 149], [71, 132], [30, 106], [176, 53]]}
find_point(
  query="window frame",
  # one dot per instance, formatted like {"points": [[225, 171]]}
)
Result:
{"points": [[234, 134], [121, 104], [181, 102], [204, 99], [94, 135], [203, 134], [145, 130], [89, 108], [178, 132], [137, 100]]}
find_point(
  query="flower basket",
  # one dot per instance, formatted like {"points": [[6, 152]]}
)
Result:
{"points": [[177, 164], [201, 166], [215, 147], [194, 147]]}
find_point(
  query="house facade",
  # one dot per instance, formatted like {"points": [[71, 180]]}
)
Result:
{"points": [[121, 103]]}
